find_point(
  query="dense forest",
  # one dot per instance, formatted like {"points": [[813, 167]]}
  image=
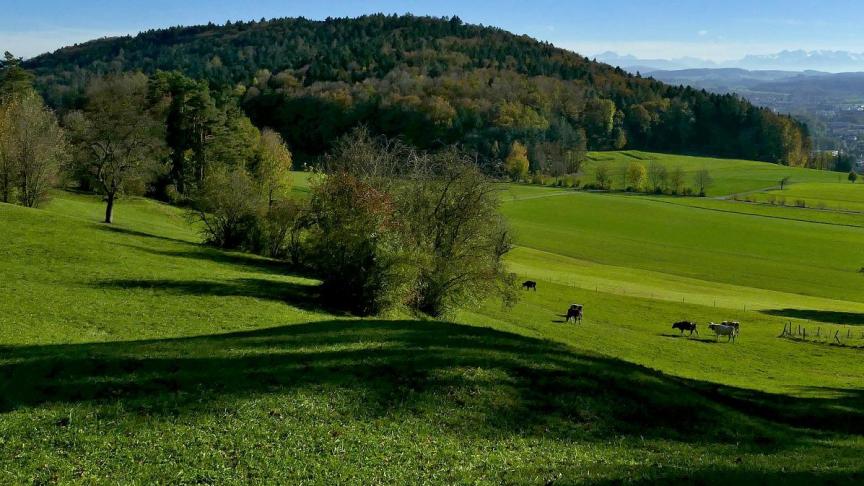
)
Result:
{"points": [[432, 82]]}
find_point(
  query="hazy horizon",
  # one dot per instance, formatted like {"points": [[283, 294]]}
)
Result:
{"points": [[647, 30]]}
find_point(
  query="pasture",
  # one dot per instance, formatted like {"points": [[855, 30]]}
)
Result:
{"points": [[730, 176], [134, 351], [841, 197]]}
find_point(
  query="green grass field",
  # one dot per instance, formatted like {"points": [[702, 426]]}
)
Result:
{"points": [[132, 354], [730, 176], [843, 197]]}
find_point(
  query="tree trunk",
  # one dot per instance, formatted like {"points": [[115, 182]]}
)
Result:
{"points": [[109, 209]]}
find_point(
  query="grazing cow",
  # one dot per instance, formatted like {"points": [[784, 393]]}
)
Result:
{"points": [[723, 330], [686, 326], [529, 284], [734, 324], [575, 313]]}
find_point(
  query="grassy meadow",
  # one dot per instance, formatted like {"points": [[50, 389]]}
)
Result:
{"points": [[836, 197], [730, 176], [132, 352]]}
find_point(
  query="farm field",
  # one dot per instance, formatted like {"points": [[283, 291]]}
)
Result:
{"points": [[844, 197], [133, 350], [730, 176]]}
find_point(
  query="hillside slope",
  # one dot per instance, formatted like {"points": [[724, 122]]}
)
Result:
{"points": [[432, 81], [134, 352]]}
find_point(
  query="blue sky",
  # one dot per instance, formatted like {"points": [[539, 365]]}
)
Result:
{"points": [[716, 30]]}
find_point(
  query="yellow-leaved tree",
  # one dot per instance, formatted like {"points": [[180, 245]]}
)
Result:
{"points": [[516, 163]]}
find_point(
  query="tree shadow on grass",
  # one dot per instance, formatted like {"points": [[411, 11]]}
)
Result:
{"points": [[831, 317], [242, 261], [298, 295], [139, 234], [486, 382]]}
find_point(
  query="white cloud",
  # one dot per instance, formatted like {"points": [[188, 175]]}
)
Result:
{"points": [[702, 33]]}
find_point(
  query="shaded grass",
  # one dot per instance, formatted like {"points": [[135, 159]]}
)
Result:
{"points": [[407, 387]]}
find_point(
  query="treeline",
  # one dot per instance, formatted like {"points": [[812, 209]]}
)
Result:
{"points": [[433, 82]]}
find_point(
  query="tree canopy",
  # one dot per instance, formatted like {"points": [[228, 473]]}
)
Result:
{"points": [[433, 82]]}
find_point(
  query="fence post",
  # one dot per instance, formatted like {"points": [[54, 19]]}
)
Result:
{"points": [[836, 338]]}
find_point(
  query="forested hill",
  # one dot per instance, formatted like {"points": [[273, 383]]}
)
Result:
{"points": [[433, 82]]}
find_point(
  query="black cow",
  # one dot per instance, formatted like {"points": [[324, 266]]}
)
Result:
{"points": [[529, 284], [686, 326], [575, 313]]}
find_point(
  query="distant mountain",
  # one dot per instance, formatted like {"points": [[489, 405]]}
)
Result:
{"points": [[800, 60], [633, 63], [788, 60], [793, 86], [729, 80]]}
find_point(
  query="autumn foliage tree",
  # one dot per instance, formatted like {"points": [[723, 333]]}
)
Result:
{"points": [[516, 164]]}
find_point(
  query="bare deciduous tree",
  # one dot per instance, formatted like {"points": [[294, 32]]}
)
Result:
{"points": [[703, 180]]}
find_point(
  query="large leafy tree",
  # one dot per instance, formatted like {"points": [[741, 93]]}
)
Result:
{"points": [[118, 139]]}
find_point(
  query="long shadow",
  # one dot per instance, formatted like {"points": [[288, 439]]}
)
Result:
{"points": [[514, 384], [694, 338], [241, 260], [831, 317], [140, 234], [298, 295]]}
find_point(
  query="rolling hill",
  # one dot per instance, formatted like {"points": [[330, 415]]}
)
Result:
{"points": [[132, 350], [433, 82]]}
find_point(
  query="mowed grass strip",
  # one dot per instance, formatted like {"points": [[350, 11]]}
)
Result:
{"points": [[627, 281], [742, 250], [843, 197]]}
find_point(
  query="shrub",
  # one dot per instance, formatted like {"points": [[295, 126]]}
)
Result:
{"points": [[229, 204], [394, 227], [800, 203], [355, 246], [173, 195], [280, 230], [602, 177]]}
